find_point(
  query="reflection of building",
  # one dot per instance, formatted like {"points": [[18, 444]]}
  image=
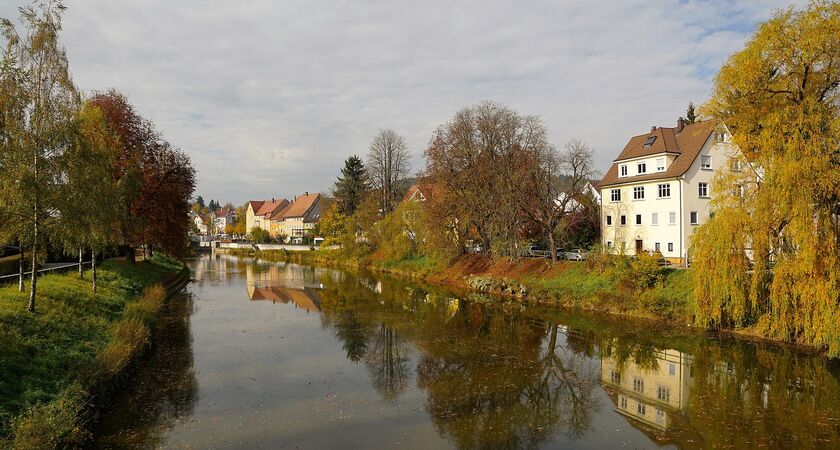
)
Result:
{"points": [[285, 284], [653, 395]]}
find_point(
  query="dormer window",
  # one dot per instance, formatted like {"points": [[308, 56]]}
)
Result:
{"points": [[641, 168], [623, 170], [650, 140], [660, 164], [720, 137]]}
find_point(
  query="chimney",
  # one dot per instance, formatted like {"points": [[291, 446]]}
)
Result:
{"points": [[307, 193], [272, 199], [680, 124], [653, 128]]}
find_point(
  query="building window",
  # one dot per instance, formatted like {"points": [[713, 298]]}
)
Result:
{"points": [[640, 409], [670, 246], [639, 193], [664, 190], [623, 220], [660, 416], [672, 369], [693, 217], [705, 162], [703, 190], [623, 170], [638, 385], [649, 141], [638, 219], [654, 219], [663, 393], [609, 220], [735, 164], [720, 137], [672, 218], [738, 191], [641, 168], [622, 402], [615, 377], [609, 244], [656, 247], [660, 164], [615, 195]]}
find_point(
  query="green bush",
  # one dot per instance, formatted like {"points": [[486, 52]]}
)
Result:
{"points": [[644, 272]]}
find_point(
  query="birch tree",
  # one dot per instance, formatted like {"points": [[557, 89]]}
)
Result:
{"points": [[388, 167], [40, 102]]}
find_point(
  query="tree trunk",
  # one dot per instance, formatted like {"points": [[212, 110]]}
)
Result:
{"points": [[20, 271], [552, 246], [130, 254], [81, 263], [93, 269], [151, 250], [34, 274]]}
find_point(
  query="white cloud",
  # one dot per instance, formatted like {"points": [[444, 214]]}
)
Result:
{"points": [[269, 97]]}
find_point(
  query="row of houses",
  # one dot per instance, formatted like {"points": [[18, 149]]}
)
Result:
{"points": [[280, 217]]}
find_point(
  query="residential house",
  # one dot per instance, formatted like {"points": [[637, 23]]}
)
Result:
{"points": [[299, 216], [199, 223], [657, 191], [260, 213], [414, 194], [223, 218]]}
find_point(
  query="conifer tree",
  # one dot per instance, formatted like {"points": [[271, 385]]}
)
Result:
{"points": [[351, 186]]}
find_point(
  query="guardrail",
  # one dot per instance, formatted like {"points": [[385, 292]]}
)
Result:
{"points": [[57, 268]]}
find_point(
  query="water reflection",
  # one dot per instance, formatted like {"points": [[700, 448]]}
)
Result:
{"points": [[165, 387], [480, 374]]}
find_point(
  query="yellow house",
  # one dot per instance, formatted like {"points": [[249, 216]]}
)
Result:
{"points": [[262, 213]]}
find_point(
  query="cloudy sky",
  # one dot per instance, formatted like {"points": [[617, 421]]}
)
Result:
{"points": [[269, 97]]}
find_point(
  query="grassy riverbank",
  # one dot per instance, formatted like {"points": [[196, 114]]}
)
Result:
{"points": [[613, 285], [57, 363]]}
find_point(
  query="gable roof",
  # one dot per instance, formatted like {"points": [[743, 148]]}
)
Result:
{"points": [[256, 205], [685, 144], [271, 210], [301, 205], [414, 193]]}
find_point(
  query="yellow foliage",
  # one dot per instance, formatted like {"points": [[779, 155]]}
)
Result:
{"points": [[779, 97]]}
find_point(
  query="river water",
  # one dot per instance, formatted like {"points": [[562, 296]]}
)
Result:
{"points": [[273, 355]]}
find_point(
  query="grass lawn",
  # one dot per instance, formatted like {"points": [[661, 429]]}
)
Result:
{"points": [[41, 354]]}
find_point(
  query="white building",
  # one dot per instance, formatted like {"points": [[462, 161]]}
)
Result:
{"points": [[657, 191], [221, 219]]}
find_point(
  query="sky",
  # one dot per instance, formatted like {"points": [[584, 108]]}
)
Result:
{"points": [[268, 97]]}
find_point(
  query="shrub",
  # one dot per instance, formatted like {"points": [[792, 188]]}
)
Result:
{"points": [[55, 424], [645, 272]]}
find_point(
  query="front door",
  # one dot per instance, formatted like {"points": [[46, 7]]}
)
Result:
{"points": [[638, 246]]}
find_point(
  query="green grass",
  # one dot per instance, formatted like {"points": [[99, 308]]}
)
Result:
{"points": [[45, 353], [576, 281]]}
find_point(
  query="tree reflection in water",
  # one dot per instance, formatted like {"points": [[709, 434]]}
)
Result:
{"points": [[160, 392]]}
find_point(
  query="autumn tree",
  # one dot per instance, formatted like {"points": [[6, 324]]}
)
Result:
{"points": [[388, 167], [475, 164], [88, 194], [779, 97], [351, 185], [554, 183], [39, 104]]}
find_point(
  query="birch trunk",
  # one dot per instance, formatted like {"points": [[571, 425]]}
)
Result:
{"points": [[93, 269], [81, 263], [34, 275], [20, 271]]}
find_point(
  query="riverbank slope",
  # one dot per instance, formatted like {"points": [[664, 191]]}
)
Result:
{"points": [[636, 288], [57, 363]]}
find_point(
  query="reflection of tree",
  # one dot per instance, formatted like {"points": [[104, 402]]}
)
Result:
{"points": [[353, 335], [387, 362], [160, 392], [497, 388]]}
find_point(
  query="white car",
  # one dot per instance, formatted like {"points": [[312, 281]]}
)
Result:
{"points": [[577, 254]]}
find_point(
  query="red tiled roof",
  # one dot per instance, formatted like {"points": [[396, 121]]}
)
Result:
{"points": [[256, 205], [686, 145], [301, 205]]}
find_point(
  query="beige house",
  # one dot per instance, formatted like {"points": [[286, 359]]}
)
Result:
{"points": [[654, 395], [284, 218], [658, 190]]}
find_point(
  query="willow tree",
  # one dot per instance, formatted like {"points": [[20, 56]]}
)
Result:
{"points": [[40, 103], [779, 97]]}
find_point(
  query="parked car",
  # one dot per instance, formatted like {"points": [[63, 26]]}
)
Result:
{"points": [[577, 254], [535, 251]]}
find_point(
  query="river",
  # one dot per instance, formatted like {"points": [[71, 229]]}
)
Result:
{"points": [[273, 355]]}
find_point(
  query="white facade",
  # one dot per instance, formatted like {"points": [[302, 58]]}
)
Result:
{"points": [[661, 214]]}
